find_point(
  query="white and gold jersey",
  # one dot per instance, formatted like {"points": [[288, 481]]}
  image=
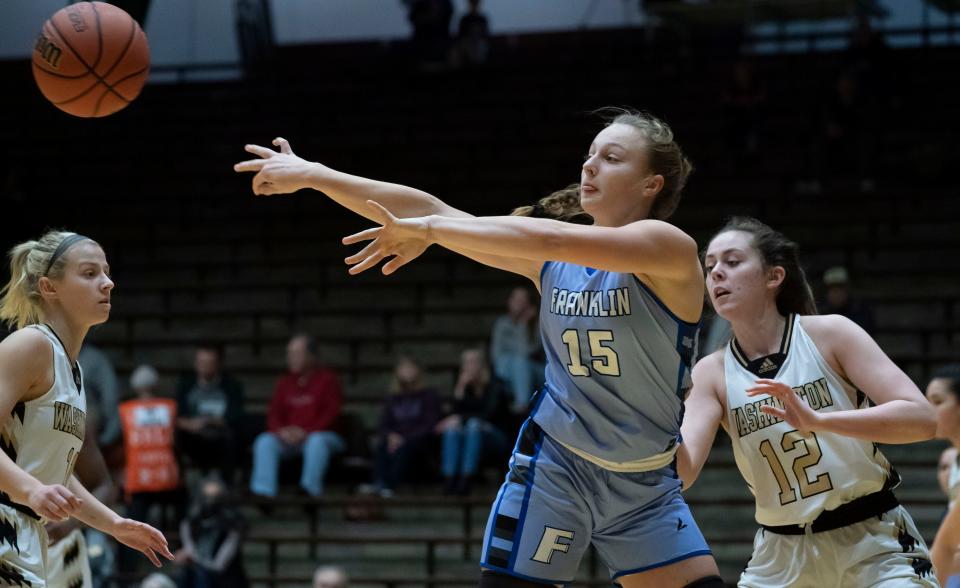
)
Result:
{"points": [[795, 477], [43, 436]]}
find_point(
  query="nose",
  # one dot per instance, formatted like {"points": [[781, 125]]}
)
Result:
{"points": [[107, 284], [589, 166]]}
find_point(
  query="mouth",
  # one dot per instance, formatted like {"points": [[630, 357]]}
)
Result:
{"points": [[587, 188], [720, 293]]}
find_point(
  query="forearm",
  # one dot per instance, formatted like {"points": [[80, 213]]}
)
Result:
{"points": [[533, 239], [897, 421], [92, 512], [352, 192], [15, 482]]}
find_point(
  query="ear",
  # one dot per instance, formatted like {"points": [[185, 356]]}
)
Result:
{"points": [[775, 277], [48, 290], [653, 185]]}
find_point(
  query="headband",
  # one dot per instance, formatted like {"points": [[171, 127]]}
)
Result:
{"points": [[62, 248]]}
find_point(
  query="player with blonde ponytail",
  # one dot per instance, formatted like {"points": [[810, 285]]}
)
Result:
{"points": [[59, 287]]}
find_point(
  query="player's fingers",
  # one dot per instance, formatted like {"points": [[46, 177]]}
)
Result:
{"points": [[362, 254], [249, 165], [263, 152], [760, 390], [394, 264], [283, 144], [54, 512], [366, 264], [73, 501], [152, 556], [364, 235], [773, 411]]}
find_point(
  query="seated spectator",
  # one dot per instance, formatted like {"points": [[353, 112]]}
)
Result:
{"points": [[210, 410], [473, 426], [330, 577], [516, 350], [212, 538], [303, 412], [839, 299], [152, 476], [157, 580], [406, 427]]}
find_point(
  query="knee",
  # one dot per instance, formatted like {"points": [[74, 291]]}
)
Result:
{"points": [[265, 441]]}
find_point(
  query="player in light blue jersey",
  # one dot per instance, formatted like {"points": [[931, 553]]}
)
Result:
{"points": [[620, 309]]}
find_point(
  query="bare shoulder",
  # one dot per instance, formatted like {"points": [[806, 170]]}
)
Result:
{"points": [[27, 352], [830, 331]]}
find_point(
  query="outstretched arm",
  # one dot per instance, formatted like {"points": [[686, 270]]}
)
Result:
{"points": [[644, 247], [281, 172]]}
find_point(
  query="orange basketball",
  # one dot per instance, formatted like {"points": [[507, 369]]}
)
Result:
{"points": [[91, 59]]}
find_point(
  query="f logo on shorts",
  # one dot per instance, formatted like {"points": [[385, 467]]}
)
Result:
{"points": [[549, 544]]}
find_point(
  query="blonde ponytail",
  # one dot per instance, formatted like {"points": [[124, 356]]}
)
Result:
{"points": [[563, 205], [20, 302]]}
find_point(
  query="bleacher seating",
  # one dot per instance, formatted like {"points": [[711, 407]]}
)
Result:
{"points": [[197, 258]]}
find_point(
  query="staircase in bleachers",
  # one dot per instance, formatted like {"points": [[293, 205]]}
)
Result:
{"points": [[197, 258]]}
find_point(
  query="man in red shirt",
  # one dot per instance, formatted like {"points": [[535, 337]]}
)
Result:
{"points": [[303, 412]]}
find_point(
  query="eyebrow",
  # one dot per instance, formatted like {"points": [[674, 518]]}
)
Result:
{"points": [[724, 252]]}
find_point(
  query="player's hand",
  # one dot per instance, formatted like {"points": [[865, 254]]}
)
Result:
{"points": [[54, 502], [143, 538], [402, 239], [277, 172], [795, 411]]}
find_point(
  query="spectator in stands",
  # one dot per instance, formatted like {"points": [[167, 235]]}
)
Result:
{"points": [[330, 577], [103, 392], [152, 475], [744, 102], [158, 580], [473, 37], [301, 420], [473, 426], [431, 30], [212, 538], [406, 427], [843, 146], [840, 300], [516, 349], [210, 410]]}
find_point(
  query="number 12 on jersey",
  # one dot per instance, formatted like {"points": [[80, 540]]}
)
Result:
{"points": [[603, 359], [808, 455]]}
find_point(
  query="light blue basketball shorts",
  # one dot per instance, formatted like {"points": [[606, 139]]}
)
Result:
{"points": [[554, 504]]}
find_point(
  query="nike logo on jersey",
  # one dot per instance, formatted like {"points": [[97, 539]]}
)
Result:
{"points": [[681, 525]]}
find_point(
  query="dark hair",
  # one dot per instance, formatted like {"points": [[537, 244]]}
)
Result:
{"points": [[666, 159], [775, 249], [213, 346], [951, 373]]}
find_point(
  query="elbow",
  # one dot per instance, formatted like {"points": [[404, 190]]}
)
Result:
{"points": [[927, 425]]}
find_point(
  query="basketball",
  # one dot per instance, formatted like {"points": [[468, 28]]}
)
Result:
{"points": [[91, 59]]}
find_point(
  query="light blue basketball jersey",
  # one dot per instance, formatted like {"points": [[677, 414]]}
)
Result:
{"points": [[618, 364]]}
